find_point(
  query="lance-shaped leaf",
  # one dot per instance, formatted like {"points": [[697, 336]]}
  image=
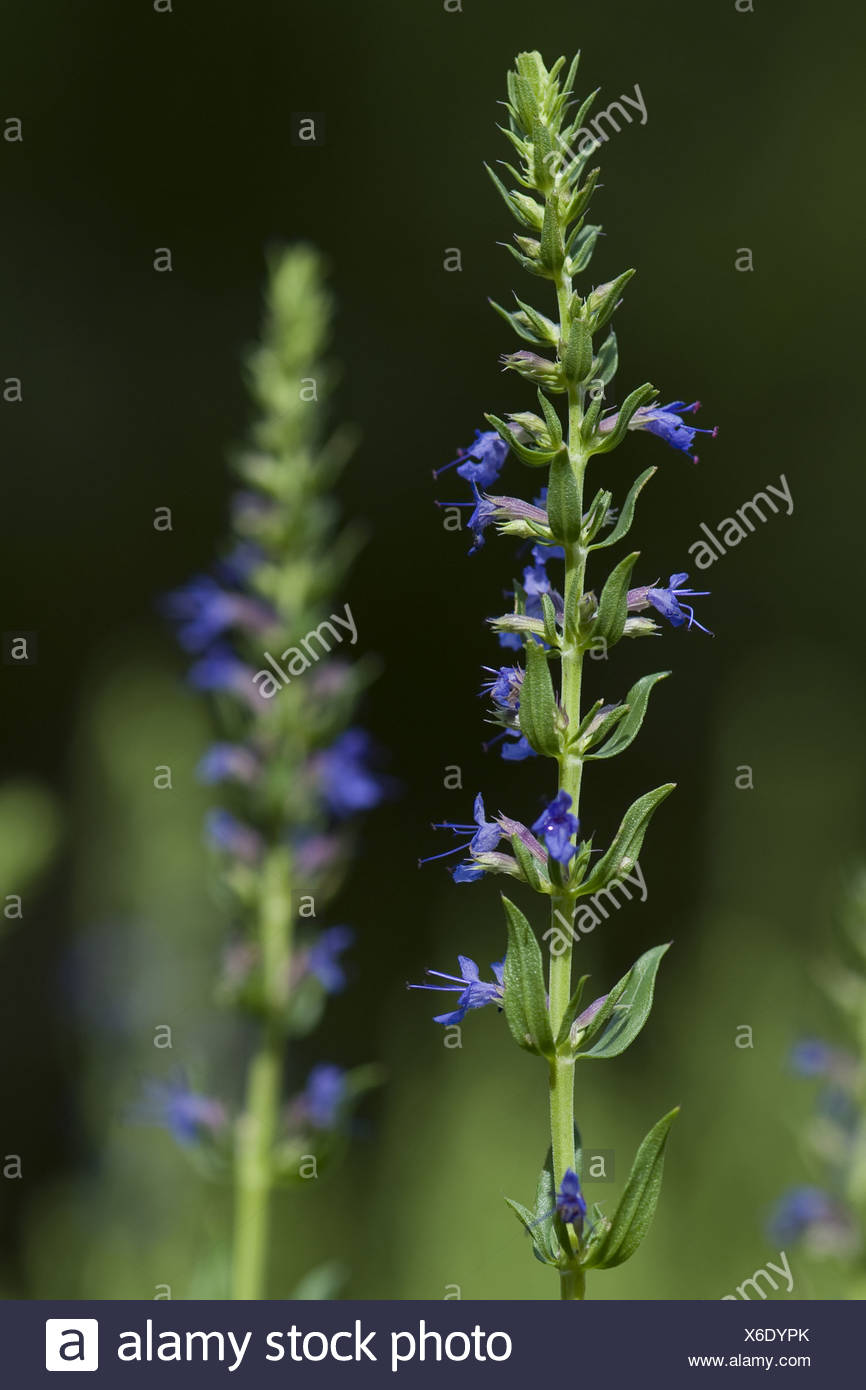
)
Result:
{"points": [[530, 853], [609, 624], [525, 998], [552, 249], [620, 858], [554, 424], [535, 458], [540, 1234], [551, 631], [619, 1239], [522, 326], [564, 512], [626, 516], [518, 205], [580, 247], [602, 303], [577, 358], [628, 727], [603, 443], [624, 1012], [607, 361], [604, 720], [538, 704], [570, 1014]]}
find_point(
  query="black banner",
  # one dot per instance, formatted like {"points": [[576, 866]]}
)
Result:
{"points": [[194, 1344]]}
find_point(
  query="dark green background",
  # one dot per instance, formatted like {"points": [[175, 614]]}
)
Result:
{"points": [[144, 130]]}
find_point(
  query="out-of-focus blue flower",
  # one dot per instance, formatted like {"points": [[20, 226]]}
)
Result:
{"points": [[320, 1102], [228, 834], [557, 824], [668, 601], [474, 992], [346, 781], [228, 762], [485, 837], [236, 568], [482, 462], [188, 1117], [202, 611], [221, 670], [811, 1057], [665, 421], [323, 959], [800, 1209]]}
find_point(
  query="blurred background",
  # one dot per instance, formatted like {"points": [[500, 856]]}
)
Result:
{"points": [[147, 130]]}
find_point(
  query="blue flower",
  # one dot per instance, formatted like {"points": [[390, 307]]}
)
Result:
{"points": [[188, 1117], [570, 1201], [536, 582], [221, 670], [474, 992], [482, 462], [347, 783], [665, 421], [226, 833], [228, 762], [320, 1101], [667, 601], [557, 824], [323, 959], [811, 1057], [504, 690], [203, 611], [485, 837]]}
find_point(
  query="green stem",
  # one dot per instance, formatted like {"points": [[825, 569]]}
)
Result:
{"points": [[570, 772], [257, 1125]]}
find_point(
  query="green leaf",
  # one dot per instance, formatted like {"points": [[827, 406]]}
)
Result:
{"points": [[626, 516], [571, 1012], [607, 361], [554, 424], [580, 248], [535, 458], [521, 326], [544, 326], [525, 999], [625, 1011], [631, 1221], [602, 302], [637, 700], [534, 871], [613, 605], [603, 443], [577, 358], [551, 631], [552, 249], [595, 732], [620, 858], [537, 714], [564, 511], [540, 1239], [510, 201]]}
